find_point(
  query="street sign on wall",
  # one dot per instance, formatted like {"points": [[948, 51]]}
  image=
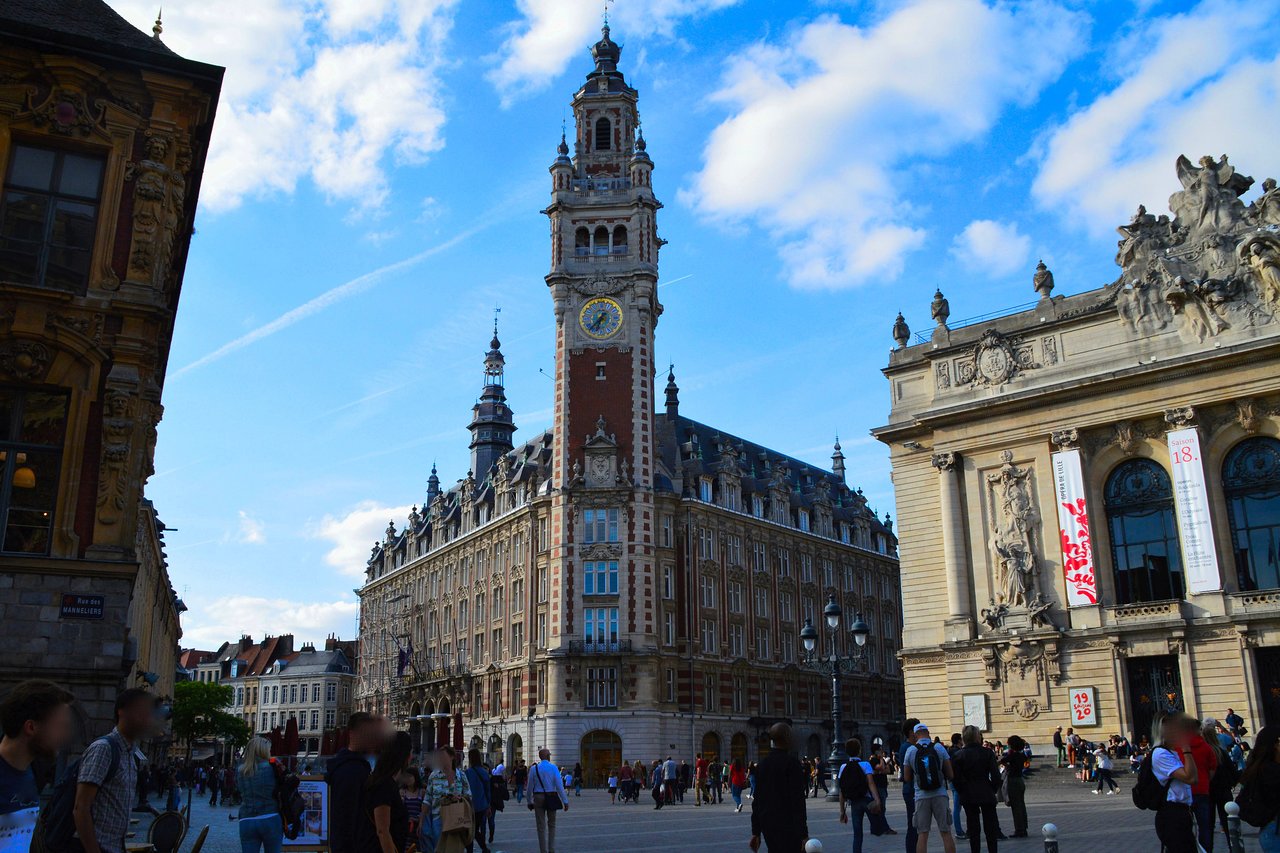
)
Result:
{"points": [[76, 606]]}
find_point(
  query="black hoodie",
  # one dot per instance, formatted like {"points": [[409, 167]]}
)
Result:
{"points": [[345, 777]]}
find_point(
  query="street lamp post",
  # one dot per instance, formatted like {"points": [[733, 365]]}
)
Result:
{"points": [[835, 666]]}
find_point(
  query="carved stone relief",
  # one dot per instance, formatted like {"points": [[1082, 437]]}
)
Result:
{"points": [[995, 360], [24, 360], [1015, 519], [117, 437]]}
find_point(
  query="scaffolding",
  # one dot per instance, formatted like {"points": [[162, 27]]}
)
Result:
{"points": [[387, 655]]}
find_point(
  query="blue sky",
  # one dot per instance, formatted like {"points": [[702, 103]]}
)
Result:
{"points": [[373, 193]]}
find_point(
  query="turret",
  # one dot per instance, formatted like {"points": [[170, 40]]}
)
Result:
{"points": [[837, 461], [491, 421], [433, 486], [673, 395]]}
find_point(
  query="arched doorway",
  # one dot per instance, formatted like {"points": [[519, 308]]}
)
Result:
{"points": [[515, 749], [711, 746], [813, 748], [494, 757], [476, 744], [601, 752], [738, 747]]}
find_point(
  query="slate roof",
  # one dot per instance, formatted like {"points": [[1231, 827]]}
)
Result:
{"points": [[94, 26], [316, 663]]}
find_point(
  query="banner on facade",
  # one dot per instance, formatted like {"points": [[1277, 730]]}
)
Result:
{"points": [[1191, 501], [1084, 706], [1073, 529]]}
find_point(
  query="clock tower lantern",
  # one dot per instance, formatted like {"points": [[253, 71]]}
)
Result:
{"points": [[603, 284]]}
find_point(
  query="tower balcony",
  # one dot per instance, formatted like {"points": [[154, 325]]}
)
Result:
{"points": [[601, 186], [603, 254]]}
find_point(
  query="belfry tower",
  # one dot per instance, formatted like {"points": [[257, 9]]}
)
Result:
{"points": [[491, 422], [603, 283]]}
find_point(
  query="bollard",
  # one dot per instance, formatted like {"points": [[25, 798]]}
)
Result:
{"points": [[1050, 838], [1235, 841]]}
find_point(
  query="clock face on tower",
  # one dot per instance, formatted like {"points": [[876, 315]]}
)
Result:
{"points": [[600, 318]]}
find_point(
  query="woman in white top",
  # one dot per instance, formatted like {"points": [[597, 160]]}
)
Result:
{"points": [[1104, 767], [1174, 768]]}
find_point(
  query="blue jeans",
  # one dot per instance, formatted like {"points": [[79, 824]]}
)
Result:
{"points": [[261, 833], [1268, 840], [519, 793], [856, 812], [1202, 808], [735, 791], [429, 833], [955, 810]]}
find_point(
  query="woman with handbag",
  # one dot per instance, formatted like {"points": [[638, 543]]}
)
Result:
{"points": [[445, 790], [386, 807]]}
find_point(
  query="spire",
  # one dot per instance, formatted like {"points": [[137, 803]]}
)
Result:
{"points": [[837, 461], [158, 27], [433, 485], [491, 422], [606, 53], [673, 394]]}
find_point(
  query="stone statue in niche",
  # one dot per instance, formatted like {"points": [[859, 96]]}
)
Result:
{"points": [[117, 434], [1014, 522]]}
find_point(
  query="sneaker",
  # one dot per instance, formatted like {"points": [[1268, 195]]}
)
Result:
{"points": [[1096, 791], [738, 809]]}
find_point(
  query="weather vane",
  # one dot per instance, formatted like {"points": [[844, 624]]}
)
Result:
{"points": [[606, 12], [496, 312]]}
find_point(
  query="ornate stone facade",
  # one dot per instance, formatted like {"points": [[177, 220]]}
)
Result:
{"points": [[632, 579], [109, 127], [1093, 481]]}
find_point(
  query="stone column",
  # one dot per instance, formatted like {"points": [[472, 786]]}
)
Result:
{"points": [[952, 521]]}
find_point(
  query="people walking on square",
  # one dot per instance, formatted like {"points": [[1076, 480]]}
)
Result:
{"points": [[259, 816], [521, 778], [778, 812], [715, 778], [927, 765], [1206, 759], [881, 766], [624, 782], [977, 778], [958, 828], [480, 782], [1060, 746], [577, 780], [670, 780], [107, 785], [387, 811], [1174, 768], [1014, 762], [858, 794], [1225, 778], [908, 790], [35, 718], [1104, 766], [701, 792], [1073, 747], [684, 780], [547, 798], [737, 782], [215, 785], [411, 792], [1260, 783]]}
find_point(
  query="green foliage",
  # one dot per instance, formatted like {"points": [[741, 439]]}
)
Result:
{"points": [[199, 713]]}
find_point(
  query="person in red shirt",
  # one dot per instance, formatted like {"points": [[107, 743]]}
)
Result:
{"points": [[1206, 759], [700, 780]]}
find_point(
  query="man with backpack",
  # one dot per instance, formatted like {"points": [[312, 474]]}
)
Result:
{"points": [[927, 766], [106, 780], [858, 792]]}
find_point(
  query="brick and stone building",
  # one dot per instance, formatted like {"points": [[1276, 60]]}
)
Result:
{"points": [[1089, 489], [103, 138], [632, 582]]}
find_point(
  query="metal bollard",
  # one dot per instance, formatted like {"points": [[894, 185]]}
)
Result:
{"points": [[1234, 839], [1050, 838]]}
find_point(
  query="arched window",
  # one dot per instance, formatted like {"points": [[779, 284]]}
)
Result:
{"points": [[1251, 482], [1145, 554], [603, 132], [582, 242], [601, 242], [620, 240]]}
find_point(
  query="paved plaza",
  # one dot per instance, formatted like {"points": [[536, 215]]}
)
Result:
{"points": [[592, 825]]}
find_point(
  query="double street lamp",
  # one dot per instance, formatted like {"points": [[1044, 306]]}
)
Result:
{"points": [[834, 666]]}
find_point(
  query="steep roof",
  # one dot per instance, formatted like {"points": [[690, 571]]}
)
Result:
{"points": [[93, 25]]}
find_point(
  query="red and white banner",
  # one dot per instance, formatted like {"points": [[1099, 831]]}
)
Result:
{"points": [[1191, 499], [1084, 706], [1073, 529]]}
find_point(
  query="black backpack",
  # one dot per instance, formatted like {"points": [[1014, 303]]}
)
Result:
{"points": [[57, 819], [289, 801], [1253, 808], [1148, 793], [927, 768], [1224, 781], [853, 782]]}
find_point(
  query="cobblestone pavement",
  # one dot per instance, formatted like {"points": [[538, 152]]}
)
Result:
{"points": [[1086, 822]]}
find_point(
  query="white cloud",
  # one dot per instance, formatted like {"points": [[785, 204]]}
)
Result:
{"points": [[352, 535], [252, 531], [828, 126], [209, 624], [327, 90], [550, 33], [1203, 82], [995, 248]]}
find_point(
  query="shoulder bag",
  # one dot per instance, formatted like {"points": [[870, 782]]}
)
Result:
{"points": [[550, 799]]}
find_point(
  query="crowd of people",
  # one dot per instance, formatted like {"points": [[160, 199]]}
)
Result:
{"points": [[384, 798]]}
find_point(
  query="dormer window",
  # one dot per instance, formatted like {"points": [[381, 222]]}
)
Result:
{"points": [[603, 133], [704, 490], [803, 520]]}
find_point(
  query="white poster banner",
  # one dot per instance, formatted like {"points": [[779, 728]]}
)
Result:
{"points": [[1191, 499], [1084, 706], [1073, 529]]}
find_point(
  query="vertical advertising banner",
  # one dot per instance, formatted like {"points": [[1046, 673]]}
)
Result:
{"points": [[1073, 529], [1191, 500], [1084, 706]]}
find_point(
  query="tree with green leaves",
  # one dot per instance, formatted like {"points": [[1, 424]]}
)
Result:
{"points": [[200, 713]]}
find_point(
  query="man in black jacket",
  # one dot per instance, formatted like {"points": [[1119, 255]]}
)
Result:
{"points": [[778, 810], [349, 820]]}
